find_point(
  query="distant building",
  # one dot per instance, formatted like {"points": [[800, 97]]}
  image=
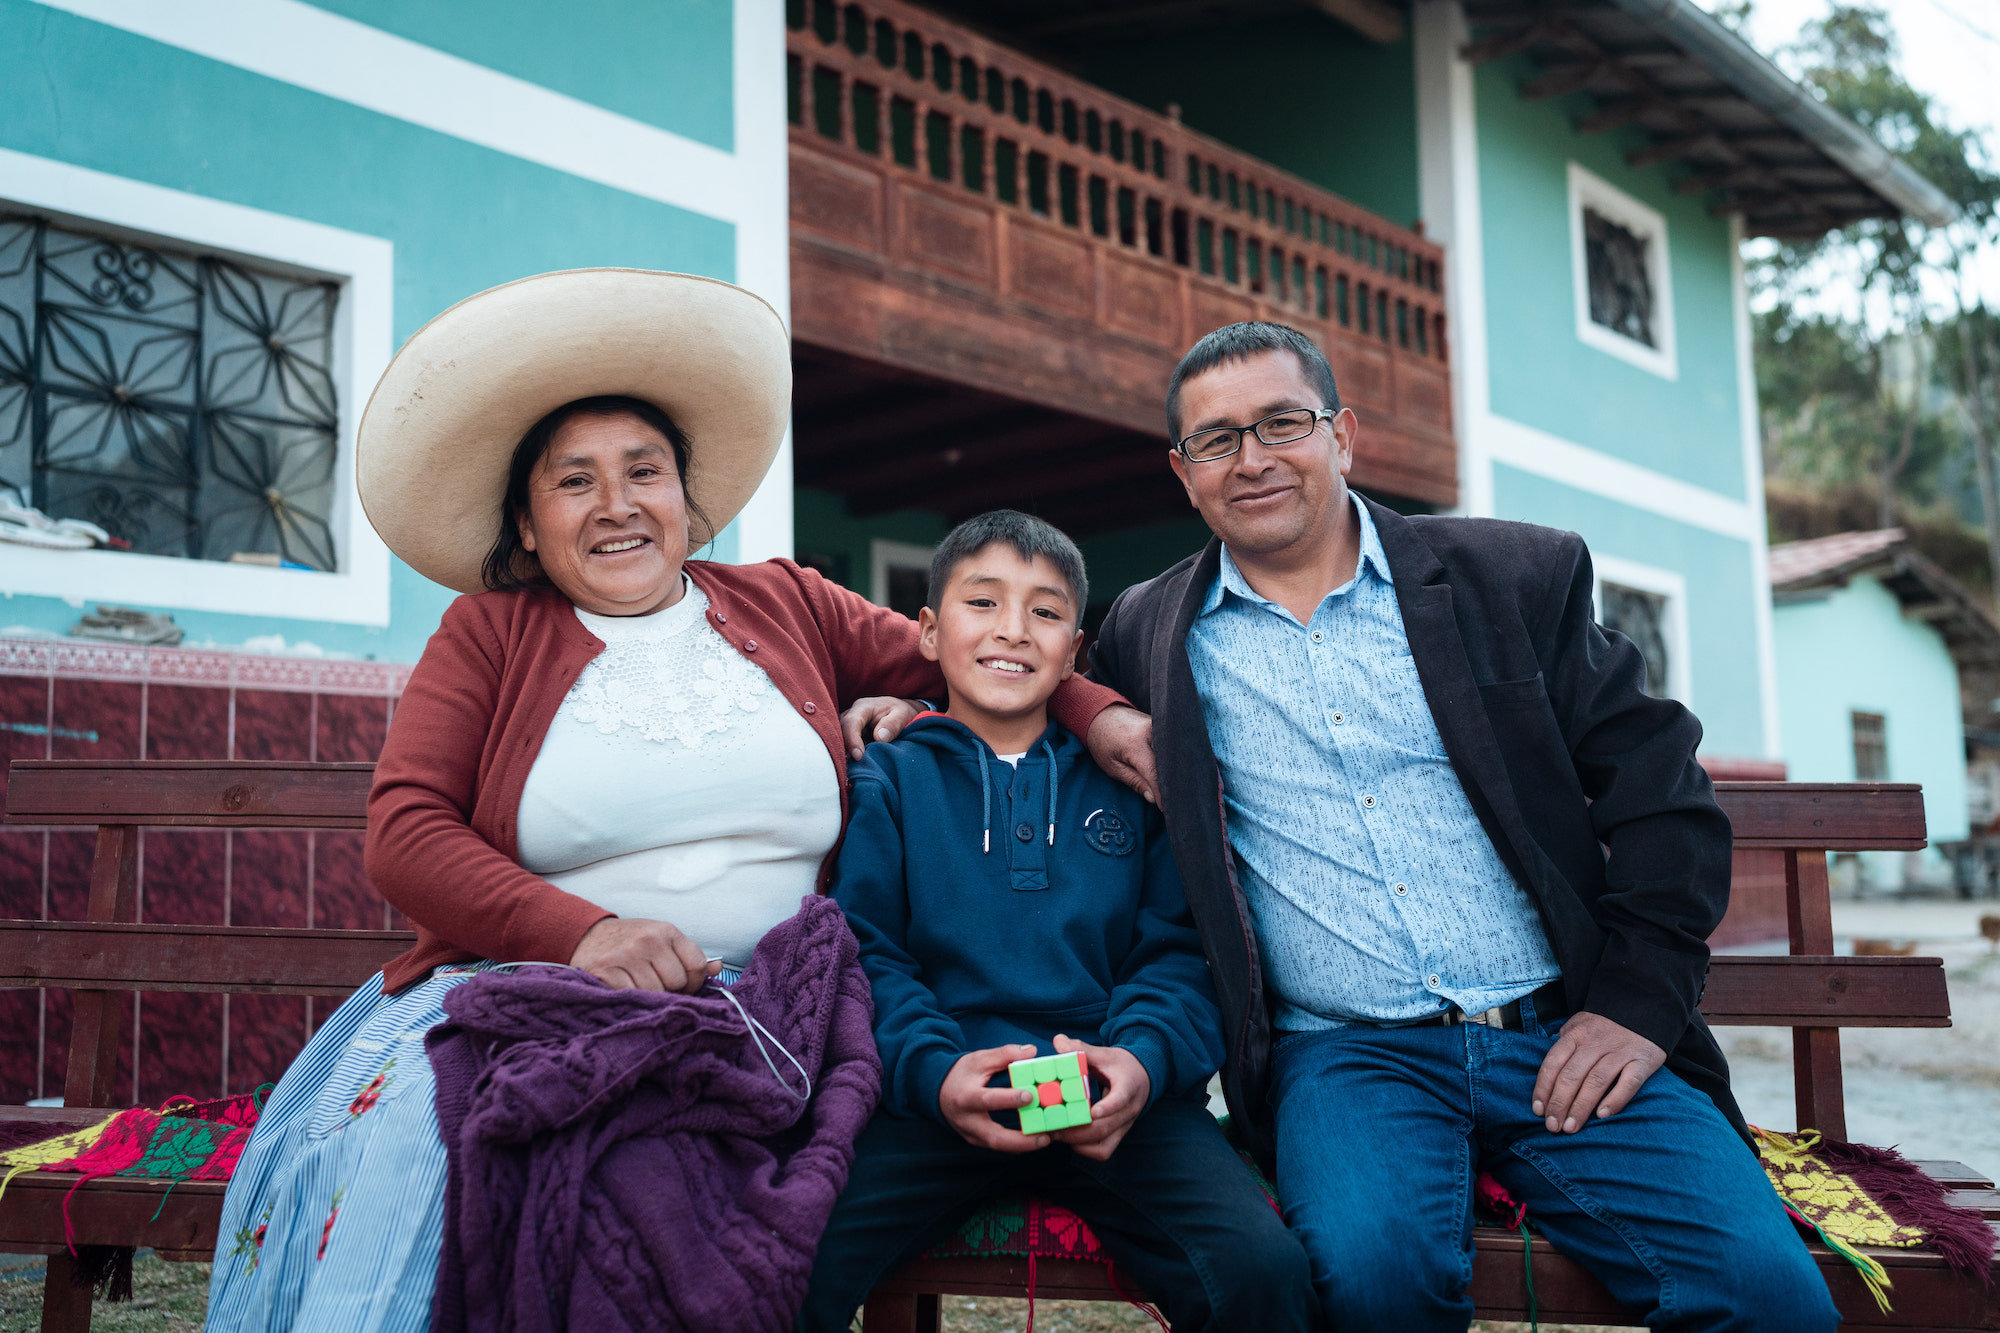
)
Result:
{"points": [[1871, 640]]}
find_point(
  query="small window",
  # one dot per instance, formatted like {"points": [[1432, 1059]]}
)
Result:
{"points": [[1649, 606], [1642, 618], [900, 576], [1624, 292], [1871, 747]]}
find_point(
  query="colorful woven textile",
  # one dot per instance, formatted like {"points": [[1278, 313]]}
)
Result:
{"points": [[1852, 1195], [184, 1140]]}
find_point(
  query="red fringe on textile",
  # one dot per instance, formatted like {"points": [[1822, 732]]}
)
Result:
{"points": [[1912, 1199]]}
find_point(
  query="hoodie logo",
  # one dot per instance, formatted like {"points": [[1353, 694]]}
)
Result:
{"points": [[1107, 833]]}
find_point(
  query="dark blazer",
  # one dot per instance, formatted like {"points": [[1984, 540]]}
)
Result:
{"points": [[1587, 785]]}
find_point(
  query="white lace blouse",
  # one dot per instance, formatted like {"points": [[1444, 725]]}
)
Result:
{"points": [[677, 784]]}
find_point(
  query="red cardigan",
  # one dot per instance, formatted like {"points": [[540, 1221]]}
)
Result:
{"points": [[444, 811]]}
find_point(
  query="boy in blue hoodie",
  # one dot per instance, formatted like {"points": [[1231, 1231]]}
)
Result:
{"points": [[1013, 901]]}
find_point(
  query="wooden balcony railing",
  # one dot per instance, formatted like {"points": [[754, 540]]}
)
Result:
{"points": [[961, 209]]}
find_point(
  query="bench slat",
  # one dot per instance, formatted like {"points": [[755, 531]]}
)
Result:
{"points": [[222, 959], [1955, 1175], [1773, 991], [210, 794], [1836, 816]]}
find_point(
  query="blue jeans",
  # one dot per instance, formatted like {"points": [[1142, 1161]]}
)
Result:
{"points": [[1382, 1131]]}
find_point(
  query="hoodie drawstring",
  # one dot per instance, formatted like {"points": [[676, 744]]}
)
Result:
{"points": [[985, 801], [1049, 750]]}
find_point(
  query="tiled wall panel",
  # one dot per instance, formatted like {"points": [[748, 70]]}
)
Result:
{"points": [[64, 699]]}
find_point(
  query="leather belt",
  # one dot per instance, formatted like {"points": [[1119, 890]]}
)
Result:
{"points": [[1548, 1007]]}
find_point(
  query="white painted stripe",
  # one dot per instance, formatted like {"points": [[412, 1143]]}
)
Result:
{"points": [[340, 58], [1753, 486], [1530, 450]]}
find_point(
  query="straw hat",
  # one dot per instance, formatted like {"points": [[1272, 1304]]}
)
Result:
{"points": [[439, 432]]}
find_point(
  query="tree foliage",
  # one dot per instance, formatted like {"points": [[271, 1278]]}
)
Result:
{"points": [[1891, 388]]}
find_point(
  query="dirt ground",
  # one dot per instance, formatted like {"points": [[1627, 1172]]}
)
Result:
{"points": [[1929, 1092]]}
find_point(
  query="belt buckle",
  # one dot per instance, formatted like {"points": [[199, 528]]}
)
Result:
{"points": [[1492, 1018]]}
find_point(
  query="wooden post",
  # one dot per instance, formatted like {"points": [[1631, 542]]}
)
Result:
{"points": [[65, 1305], [93, 1038], [1816, 1076], [902, 1312]]}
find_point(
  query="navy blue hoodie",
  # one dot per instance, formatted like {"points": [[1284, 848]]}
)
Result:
{"points": [[995, 905]]}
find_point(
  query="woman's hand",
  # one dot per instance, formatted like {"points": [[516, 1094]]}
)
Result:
{"points": [[968, 1104], [1127, 1089], [1121, 741], [643, 955], [880, 717]]}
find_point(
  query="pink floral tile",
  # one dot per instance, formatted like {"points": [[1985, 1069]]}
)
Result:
{"points": [[19, 1011], [187, 722], [271, 724], [71, 851], [95, 719], [265, 1033], [180, 1046], [183, 878], [351, 728], [269, 872], [24, 720], [21, 875], [343, 899]]}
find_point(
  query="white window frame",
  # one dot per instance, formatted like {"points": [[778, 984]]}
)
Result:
{"points": [[1668, 583], [363, 340], [884, 556], [1586, 188]]}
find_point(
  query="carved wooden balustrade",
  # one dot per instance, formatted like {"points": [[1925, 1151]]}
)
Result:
{"points": [[964, 211]]}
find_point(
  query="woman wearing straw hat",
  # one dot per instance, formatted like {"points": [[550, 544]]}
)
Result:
{"points": [[610, 755]]}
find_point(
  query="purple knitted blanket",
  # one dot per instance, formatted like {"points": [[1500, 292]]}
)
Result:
{"points": [[622, 1159]]}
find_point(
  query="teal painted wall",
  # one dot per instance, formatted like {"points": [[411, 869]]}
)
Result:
{"points": [[665, 62], [462, 218], [1887, 664], [821, 526], [1117, 560], [1305, 93], [1542, 375], [1722, 625]]}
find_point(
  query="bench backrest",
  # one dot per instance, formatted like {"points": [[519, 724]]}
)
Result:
{"points": [[1808, 990]]}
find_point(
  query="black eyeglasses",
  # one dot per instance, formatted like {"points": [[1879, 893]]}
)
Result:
{"points": [[1286, 427]]}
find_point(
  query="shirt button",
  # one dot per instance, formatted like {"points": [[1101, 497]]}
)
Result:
{"points": [[1368, 803], [1402, 889], [721, 619], [1432, 981], [1319, 636], [1024, 831], [811, 707], [1339, 717], [749, 645]]}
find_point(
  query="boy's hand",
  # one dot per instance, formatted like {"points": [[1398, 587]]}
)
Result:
{"points": [[879, 717], [1127, 1089], [1121, 741], [968, 1104]]}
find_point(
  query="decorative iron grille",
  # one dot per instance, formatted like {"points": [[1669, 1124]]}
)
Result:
{"points": [[1621, 285], [183, 403]]}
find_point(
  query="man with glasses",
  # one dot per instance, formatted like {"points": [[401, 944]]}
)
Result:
{"points": [[1454, 868]]}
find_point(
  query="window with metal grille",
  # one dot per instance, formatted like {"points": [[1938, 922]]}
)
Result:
{"points": [[1621, 287], [1642, 618], [182, 402], [1871, 747]]}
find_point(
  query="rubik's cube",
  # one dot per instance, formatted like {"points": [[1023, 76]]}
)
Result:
{"points": [[1061, 1099]]}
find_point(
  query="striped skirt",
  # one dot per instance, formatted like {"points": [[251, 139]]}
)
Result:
{"points": [[335, 1216]]}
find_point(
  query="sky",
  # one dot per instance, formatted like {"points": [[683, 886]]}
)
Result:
{"points": [[1950, 50]]}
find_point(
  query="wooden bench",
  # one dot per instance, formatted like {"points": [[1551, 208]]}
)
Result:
{"points": [[1811, 991]]}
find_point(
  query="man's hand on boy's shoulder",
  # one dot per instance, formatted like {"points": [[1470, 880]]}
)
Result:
{"points": [[1121, 741], [1127, 1090], [879, 717], [968, 1104]]}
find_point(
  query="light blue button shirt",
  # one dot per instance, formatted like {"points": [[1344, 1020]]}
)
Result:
{"points": [[1375, 893]]}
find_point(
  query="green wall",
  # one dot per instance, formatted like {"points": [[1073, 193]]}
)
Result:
{"points": [[821, 526], [1117, 560], [664, 62], [1541, 374], [462, 218], [1303, 92], [1888, 664], [1722, 624]]}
